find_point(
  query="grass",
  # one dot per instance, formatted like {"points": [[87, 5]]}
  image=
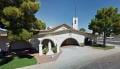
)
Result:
{"points": [[17, 62], [99, 46]]}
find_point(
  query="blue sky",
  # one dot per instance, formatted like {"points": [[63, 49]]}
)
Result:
{"points": [[56, 12]]}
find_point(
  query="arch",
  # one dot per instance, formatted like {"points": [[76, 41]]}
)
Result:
{"points": [[70, 41], [45, 43]]}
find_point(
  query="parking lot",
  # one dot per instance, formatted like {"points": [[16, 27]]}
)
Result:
{"points": [[115, 40]]}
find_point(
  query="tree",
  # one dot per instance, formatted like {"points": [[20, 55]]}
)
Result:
{"points": [[17, 16], [116, 25], [40, 25], [82, 30], [105, 22]]}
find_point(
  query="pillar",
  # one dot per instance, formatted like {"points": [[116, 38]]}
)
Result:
{"points": [[57, 41], [50, 52], [40, 48], [58, 49]]}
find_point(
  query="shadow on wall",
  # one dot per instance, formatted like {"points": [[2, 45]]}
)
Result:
{"points": [[70, 41]]}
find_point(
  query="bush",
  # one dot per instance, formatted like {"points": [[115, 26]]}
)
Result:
{"points": [[82, 44], [5, 60], [54, 49], [45, 50]]}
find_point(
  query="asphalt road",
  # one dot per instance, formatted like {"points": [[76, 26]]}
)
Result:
{"points": [[83, 58], [107, 62]]}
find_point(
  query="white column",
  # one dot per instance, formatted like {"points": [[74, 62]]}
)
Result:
{"points": [[57, 41], [58, 49], [50, 52], [40, 48]]}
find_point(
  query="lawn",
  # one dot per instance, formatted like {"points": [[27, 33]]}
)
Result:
{"points": [[16, 62], [99, 46]]}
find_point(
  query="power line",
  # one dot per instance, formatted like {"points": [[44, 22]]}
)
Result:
{"points": [[75, 8]]}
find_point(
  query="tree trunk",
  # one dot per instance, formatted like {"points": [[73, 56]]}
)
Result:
{"points": [[94, 39], [104, 39]]}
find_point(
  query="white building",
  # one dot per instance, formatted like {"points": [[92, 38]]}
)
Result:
{"points": [[62, 35], [59, 36]]}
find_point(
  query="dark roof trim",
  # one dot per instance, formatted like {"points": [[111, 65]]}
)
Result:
{"points": [[55, 28]]}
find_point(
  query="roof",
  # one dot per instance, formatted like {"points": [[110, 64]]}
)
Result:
{"points": [[55, 28], [63, 32], [2, 29], [69, 30], [63, 25], [3, 32]]}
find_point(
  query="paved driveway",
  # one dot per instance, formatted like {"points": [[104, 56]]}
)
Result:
{"points": [[74, 58]]}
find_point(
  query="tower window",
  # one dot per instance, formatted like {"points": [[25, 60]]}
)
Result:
{"points": [[75, 21]]}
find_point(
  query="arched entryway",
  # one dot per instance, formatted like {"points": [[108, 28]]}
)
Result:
{"points": [[45, 43], [70, 41]]}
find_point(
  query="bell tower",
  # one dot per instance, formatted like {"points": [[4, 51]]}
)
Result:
{"points": [[75, 18], [75, 23]]}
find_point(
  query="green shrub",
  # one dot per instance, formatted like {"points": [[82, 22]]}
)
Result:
{"points": [[54, 49], [81, 44], [45, 50], [5, 60]]}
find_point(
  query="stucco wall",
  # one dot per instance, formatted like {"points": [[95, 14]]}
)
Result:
{"points": [[58, 39]]}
